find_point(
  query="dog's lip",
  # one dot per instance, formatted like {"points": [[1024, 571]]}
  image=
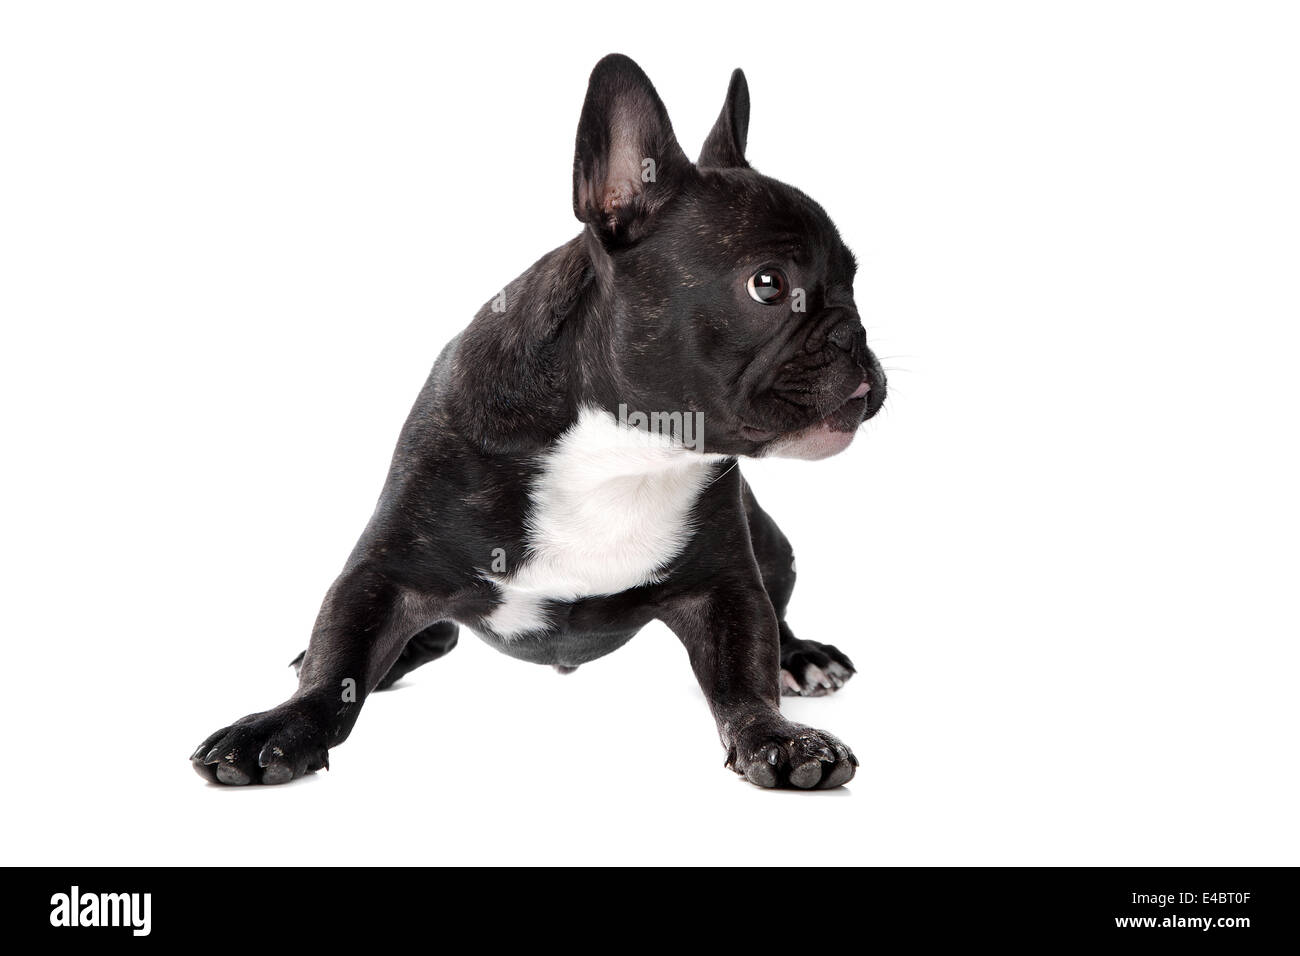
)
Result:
{"points": [[753, 433], [758, 434]]}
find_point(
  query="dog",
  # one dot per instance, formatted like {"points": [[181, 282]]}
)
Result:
{"points": [[569, 471]]}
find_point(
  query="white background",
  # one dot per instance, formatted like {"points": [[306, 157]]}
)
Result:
{"points": [[233, 238]]}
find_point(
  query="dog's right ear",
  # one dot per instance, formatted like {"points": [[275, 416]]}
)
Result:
{"points": [[627, 164], [725, 145]]}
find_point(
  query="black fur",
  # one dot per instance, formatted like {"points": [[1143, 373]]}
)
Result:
{"points": [[647, 308]]}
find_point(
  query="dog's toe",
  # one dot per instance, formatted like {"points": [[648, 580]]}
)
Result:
{"points": [[228, 774], [809, 669]]}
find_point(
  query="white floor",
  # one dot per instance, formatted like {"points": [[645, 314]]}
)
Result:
{"points": [[480, 759], [996, 720]]}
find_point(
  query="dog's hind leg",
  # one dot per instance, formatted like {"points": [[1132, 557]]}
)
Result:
{"points": [[808, 668], [430, 644]]}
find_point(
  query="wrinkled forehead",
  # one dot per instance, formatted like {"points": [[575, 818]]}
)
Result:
{"points": [[737, 216]]}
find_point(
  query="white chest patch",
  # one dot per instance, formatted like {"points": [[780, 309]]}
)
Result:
{"points": [[610, 509]]}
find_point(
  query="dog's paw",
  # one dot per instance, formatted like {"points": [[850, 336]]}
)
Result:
{"points": [[809, 669], [272, 747], [783, 754]]}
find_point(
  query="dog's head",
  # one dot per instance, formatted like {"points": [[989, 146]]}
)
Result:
{"points": [[732, 292]]}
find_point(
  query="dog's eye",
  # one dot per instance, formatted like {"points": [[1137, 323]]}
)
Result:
{"points": [[767, 286]]}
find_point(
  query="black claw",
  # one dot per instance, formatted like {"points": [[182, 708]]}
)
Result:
{"points": [[269, 756]]}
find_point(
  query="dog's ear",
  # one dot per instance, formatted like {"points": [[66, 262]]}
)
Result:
{"points": [[627, 164], [725, 145]]}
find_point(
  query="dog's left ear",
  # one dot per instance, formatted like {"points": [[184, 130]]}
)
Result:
{"points": [[725, 145], [627, 164]]}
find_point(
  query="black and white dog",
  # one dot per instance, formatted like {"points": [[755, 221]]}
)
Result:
{"points": [[568, 473]]}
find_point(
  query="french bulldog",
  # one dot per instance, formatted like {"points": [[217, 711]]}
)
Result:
{"points": [[569, 471]]}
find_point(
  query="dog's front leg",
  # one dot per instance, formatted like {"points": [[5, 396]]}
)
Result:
{"points": [[360, 631], [731, 636]]}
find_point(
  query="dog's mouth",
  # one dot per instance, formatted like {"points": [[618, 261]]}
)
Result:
{"points": [[827, 435]]}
